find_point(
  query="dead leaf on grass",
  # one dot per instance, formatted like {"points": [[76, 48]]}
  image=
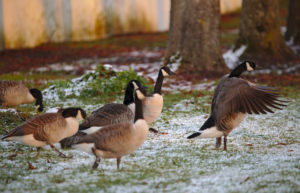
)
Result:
{"points": [[12, 157], [30, 166]]}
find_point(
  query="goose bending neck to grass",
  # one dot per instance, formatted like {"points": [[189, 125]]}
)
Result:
{"points": [[107, 115], [47, 129], [14, 93], [233, 98], [115, 141], [153, 105]]}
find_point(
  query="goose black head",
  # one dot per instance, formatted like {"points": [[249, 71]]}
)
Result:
{"points": [[245, 66], [129, 92], [37, 94], [166, 71], [139, 90], [250, 66], [77, 113]]}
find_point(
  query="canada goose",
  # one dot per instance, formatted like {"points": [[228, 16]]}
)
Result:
{"points": [[115, 141], [47, 129], [14, 93], [115, 113], [233, 98], [153, 105], [107, 115]]}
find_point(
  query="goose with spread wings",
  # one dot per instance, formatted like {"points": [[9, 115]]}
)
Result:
{"points": [[233, 98]]}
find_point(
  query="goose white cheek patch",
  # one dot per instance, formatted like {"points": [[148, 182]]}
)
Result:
{"points": [[135, 85], [140, 95], [249, 68], [79, 116], [164, 72]]}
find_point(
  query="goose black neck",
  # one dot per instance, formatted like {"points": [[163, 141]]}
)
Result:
{"points": [[138, 109], [128, 98], [37, 94], [159, 82], [238, 71]]}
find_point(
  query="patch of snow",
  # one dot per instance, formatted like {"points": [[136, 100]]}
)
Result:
{"points": [[143, 53], [255, 160], [232, 57], [53, 110], [11, 110]]}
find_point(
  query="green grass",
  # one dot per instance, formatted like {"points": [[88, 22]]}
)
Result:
{"points": [[263, 152]]}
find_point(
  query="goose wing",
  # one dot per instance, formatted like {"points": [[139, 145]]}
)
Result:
{"points": [[239, 96], [107, 115], [34, 126], [217, 90], [111, 137], [4, 85]]}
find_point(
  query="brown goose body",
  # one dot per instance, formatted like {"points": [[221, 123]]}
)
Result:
{"points": [[115, 141], [233, 98], [109, 114], [14, 93], [47, 129]]}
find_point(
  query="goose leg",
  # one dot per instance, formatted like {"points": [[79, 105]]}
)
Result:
{"points": [[118, 162], [60, 154], [218, 142], [37, 152], [97, 161], [225, 142]]}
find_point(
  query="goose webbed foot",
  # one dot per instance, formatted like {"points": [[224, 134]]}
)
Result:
{"points": [[60, 154], [97, 161], [218, 142], [153, 130]]}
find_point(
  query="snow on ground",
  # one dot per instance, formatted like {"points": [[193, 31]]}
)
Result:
{"points": [[147, 70], [263, 153], [11, 110], [263, 156]]}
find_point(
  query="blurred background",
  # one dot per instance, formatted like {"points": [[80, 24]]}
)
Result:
{"points": [[206, 37], [29, 23]]}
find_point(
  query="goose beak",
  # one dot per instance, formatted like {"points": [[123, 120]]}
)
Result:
{"points": [[172, 73]]}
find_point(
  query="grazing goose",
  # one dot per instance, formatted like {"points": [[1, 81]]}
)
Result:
{"points": [[153, 105], [107, 115], [233, 99], [47, 129], [115, 141], [14, 93]]}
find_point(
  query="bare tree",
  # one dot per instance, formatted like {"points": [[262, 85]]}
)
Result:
{"points": [[194, 35], [293, 23], [260, 33]]}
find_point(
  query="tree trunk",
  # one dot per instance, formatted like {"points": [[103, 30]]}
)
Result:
{"points": [[293, 23], [2, 39], [194, 35], [260, 33]]}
